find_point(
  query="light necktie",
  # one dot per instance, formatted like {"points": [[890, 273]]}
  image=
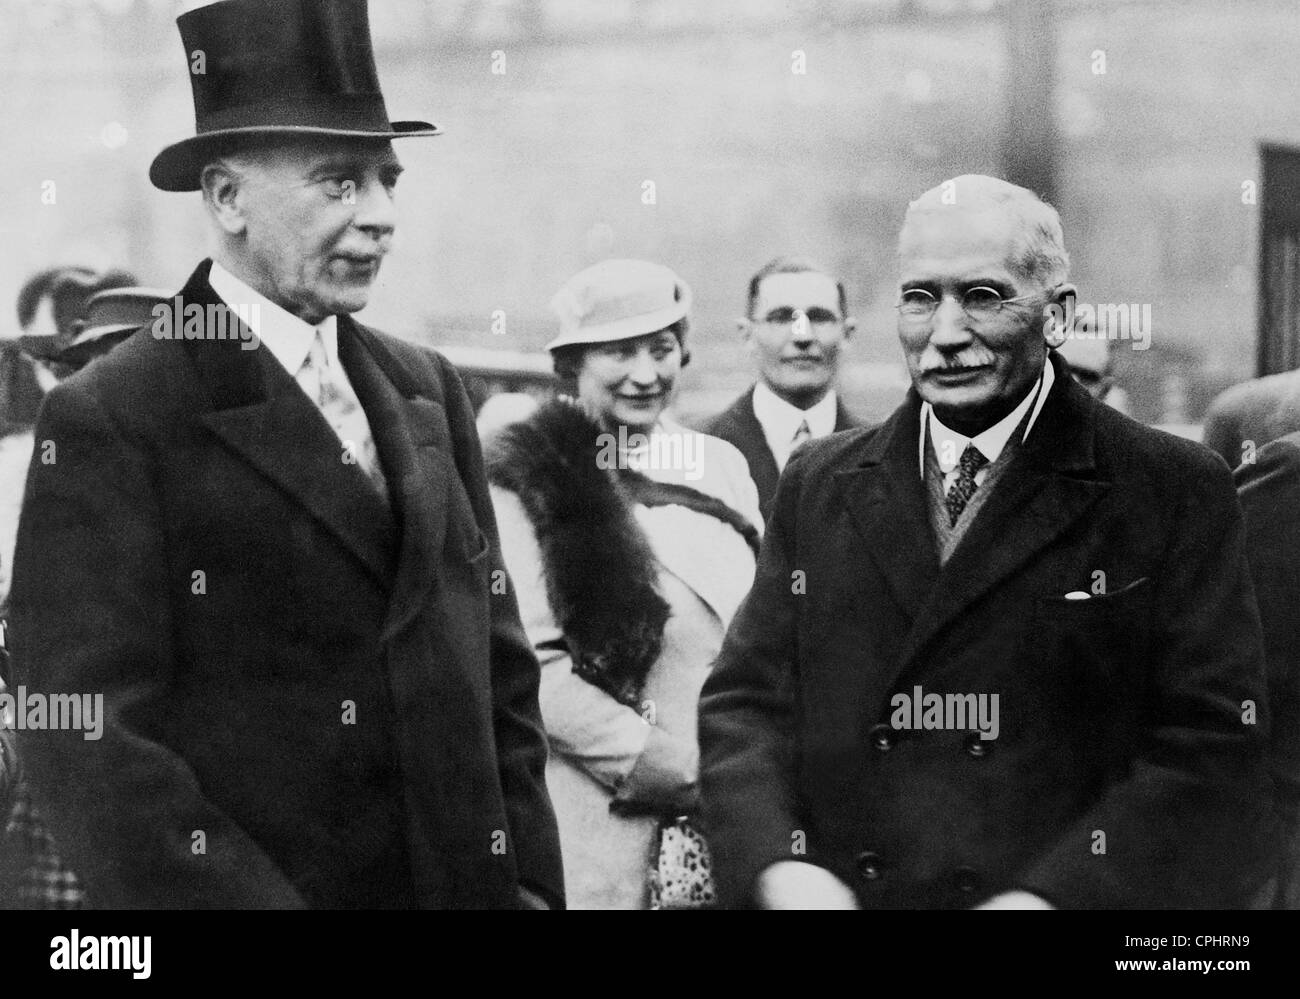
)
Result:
{"points": [[800, 435], [959, 494], [342, 411]]}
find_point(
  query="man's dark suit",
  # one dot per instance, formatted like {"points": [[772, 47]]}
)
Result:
{"points": [[1269, 489], [1260, 410], [1120, 714], [337, 712], [738, 425]]}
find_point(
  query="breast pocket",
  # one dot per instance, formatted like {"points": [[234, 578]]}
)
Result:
{"points": [[1104, 639]]}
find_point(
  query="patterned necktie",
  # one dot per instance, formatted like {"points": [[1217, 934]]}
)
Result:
{"points": [[963, 489], [342, 410]]}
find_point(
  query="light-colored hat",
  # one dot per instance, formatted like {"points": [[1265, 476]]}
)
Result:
{"points": [[618, 300]]}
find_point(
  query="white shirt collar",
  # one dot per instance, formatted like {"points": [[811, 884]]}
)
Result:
{"points": [[780, 420], [286, 336], [948, 444]]}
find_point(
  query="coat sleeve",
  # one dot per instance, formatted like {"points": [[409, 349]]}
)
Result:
{"points": [[747, 720], [1270, 499], [520, 740], [91, 602], [610, 741], [1189, 825]]}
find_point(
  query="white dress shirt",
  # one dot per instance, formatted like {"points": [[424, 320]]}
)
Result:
{"points": [[286, 336], [290, 341], [948, 444], [780, 420]]}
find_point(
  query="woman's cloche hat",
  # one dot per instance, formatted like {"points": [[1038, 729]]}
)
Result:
{"points": [[618, 300]]}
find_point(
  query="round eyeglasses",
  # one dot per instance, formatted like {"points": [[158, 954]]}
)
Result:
{"points": [[980, 302], [783, 315]]}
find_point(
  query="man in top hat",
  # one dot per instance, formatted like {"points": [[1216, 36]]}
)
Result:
{"points": [[795, 327], [1002, 650], [279, 565]]}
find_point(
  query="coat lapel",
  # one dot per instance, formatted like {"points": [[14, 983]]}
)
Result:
{"points": [[843, 421], [414, 442], [261, 415], [886, 500], [1050, 485], [753, 445]]}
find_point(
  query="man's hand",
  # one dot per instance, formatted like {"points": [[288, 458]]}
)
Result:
{"points": [[792, 884], [1015, 900]]}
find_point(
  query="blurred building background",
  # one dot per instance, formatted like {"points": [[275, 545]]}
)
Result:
{"points": [[1143, 117]]}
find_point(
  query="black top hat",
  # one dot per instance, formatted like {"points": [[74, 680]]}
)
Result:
{"points": [[286, 66]]}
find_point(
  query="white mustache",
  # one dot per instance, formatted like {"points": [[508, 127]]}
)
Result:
{"points": [[953, 363]]}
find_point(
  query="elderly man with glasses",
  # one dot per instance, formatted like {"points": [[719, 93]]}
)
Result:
{"points": [[795, 327], [1001, 651]]}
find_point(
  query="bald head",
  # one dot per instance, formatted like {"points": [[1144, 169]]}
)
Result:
{"points": [[1036, 242]]}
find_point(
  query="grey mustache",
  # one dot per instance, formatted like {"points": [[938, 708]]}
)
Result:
{"points": [[957, 365]]}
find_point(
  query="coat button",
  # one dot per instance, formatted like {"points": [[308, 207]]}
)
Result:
{"points": [[870, 865], [881, 737], [977, 747], [967, 880]]}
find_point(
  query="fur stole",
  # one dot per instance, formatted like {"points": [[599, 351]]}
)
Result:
{"points": [[598, 566]]}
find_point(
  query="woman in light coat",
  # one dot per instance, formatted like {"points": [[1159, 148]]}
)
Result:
{"points": [[630, 542]]}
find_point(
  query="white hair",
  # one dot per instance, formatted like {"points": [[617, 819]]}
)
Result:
{"points": [[1041, 256]]}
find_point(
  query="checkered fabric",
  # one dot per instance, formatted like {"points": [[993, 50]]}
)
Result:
{"points": [[43, 881]]}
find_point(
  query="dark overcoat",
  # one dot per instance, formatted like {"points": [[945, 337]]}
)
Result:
{"points": [[313, 697], [1269, 488], [1127, 769]]}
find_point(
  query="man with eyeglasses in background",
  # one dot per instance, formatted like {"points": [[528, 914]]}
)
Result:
{"points": [[1001, 651], [795, 327]]}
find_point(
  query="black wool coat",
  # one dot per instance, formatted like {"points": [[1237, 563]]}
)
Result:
{"points": [[1269, 488], [341, 710], [1120, 715]]}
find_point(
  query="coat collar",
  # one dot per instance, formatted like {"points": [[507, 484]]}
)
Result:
{"points": [[259, 413], [843, 419], [1051, 485], [740, 426], [409, 423]]}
